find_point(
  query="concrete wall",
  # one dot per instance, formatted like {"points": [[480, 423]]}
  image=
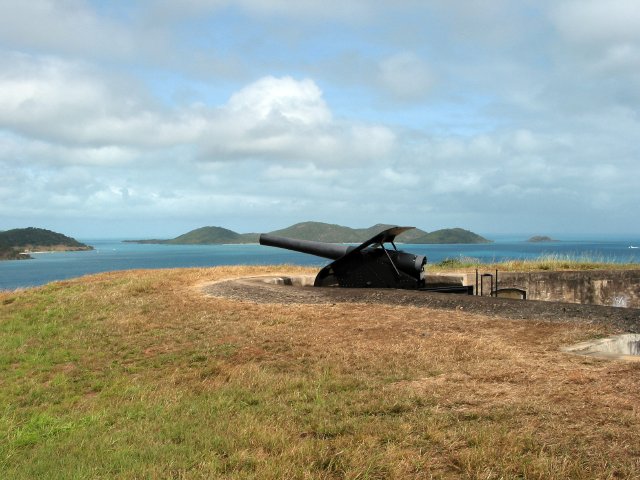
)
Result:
{"points": [[620, 288]]}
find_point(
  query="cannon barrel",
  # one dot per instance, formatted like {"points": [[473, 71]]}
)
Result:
{"points": [[368, 265], [320, 249]]}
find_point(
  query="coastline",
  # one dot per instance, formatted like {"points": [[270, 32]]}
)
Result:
{"points": [[22, 253], [57, 250]]}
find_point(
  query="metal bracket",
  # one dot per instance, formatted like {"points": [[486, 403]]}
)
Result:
{"points": [[390, 260]]}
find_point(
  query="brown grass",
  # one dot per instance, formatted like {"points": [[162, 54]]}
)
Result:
{"points": [[313, 391], [550, 262]]}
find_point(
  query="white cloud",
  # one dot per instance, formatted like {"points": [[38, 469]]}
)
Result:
{"points": [[353, 10], [308, 172], [406, 76], [68, 26], [298, 102], [457, 182], [619, 57], [524, 140], [393, 178], [101, 120], [283, 119], [62, 101], [605, 35], [594, 21]]}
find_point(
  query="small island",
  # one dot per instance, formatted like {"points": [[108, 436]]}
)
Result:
{"points": [[322, 232], [18, 243], [540, 239]]}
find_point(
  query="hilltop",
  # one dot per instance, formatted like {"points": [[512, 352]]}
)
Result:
{"points": [[323, 232], [17, 243], [451, 235], [206, 236], [338, 234], [326, 232]]}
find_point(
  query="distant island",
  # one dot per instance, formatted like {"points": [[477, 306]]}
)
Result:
{"points": [[322, 232], [205, 236], [540, 239], [16, 244]]}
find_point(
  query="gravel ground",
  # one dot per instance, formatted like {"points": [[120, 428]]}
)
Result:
{"points": [[256, 289]]}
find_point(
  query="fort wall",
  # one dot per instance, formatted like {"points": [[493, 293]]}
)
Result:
{"points": [[618, 288]]}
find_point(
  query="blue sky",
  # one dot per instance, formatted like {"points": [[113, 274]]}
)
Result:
{"points": [[151, 118]]}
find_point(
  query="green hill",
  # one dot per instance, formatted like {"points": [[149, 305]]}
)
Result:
{"points": [[451, 235], [14, 242], [322, 232], [206, 235], [326, 232]]}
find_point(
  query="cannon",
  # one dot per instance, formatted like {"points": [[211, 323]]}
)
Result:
{"points": [[369, 264]]}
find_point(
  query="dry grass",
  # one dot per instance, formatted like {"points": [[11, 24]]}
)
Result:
{"points": [[137, 374], [552, 262]]}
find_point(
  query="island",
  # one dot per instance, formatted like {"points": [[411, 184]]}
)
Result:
{"points": [[540, 239], [18, 243], [322, 232], [205, 236]]}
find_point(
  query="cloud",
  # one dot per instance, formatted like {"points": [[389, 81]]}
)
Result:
{"points": [[595, 22], [104, 120], [297, 102], [299, 173], [283, 119], [70, 26], [605, 34], [392, 178], [301, 9], [38, 153], [406, 76], [62, 101]]}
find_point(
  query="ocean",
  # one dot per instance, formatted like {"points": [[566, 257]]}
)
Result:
{"points": [[115, 255]]}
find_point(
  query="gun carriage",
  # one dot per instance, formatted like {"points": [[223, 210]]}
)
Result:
{"points": [[368, 265]]}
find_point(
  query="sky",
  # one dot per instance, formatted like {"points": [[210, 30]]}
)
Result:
{"points": [[150, 118]]}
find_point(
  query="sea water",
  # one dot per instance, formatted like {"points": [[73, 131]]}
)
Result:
{"points": [[111, 255]]}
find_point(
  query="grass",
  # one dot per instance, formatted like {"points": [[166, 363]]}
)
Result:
{"points": [[138, 375], [555, 262]]}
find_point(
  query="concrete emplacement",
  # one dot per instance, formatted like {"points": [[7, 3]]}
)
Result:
{"points": [[620, 347], [597, 287], [295, 281]]}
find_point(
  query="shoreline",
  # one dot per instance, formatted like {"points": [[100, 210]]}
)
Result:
{"points": [[56, 250]]}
